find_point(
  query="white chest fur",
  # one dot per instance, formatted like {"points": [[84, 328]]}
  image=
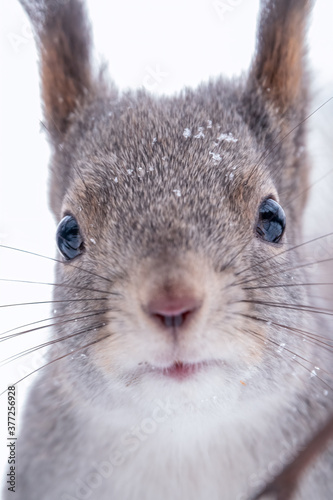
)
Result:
{"points": [[179, 453]]}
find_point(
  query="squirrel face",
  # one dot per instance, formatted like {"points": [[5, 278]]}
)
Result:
{"points": [[167, 200], [178, 210], [176, 214]]}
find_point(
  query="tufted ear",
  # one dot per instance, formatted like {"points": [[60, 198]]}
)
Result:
{"points": [[63, 39], [278, 66]]}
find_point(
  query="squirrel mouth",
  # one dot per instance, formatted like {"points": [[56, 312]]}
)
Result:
{"points": [[179, 370]]}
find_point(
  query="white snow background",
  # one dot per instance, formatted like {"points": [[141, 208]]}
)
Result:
{"points": [[186, 40]]}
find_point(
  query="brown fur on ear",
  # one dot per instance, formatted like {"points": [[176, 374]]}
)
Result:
{"points": [[64, 43], [278, 64]]}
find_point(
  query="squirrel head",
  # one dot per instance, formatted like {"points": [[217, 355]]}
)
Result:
{"points": [[174, 211]]}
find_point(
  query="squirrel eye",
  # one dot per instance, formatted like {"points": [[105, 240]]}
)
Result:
{"points": [[68, 238], [272, 221]]}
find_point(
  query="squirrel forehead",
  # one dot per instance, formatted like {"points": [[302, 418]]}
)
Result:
{"points": [[149, 214], [227, 181], [172, 152]]}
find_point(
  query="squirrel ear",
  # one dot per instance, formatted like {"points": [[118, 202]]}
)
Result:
{"points": [[63, 38], [278, 65]]}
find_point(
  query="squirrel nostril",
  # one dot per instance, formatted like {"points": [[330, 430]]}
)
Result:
{"points": [[173, 313], [171, 321]]}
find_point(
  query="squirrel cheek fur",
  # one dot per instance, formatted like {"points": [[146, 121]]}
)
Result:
{"points": [[176, 380]]}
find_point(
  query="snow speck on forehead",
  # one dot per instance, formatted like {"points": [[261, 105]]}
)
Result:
{"points": [[187, 133], [227, 137], [216, 157], [200, 134]]}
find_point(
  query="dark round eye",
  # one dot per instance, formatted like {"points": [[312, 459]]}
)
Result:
{"points": [[68, 237], [272, 221]]}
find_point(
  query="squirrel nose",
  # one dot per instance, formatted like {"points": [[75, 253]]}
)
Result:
{"points": [[173, 312]]}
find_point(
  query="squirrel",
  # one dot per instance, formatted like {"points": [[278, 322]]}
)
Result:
{"points": [[178, 372]]}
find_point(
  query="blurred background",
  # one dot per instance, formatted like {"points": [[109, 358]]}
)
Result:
{"points": [[162, 46]]}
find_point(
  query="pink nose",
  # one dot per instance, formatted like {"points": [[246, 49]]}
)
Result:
{"points": [[173, 312]]}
